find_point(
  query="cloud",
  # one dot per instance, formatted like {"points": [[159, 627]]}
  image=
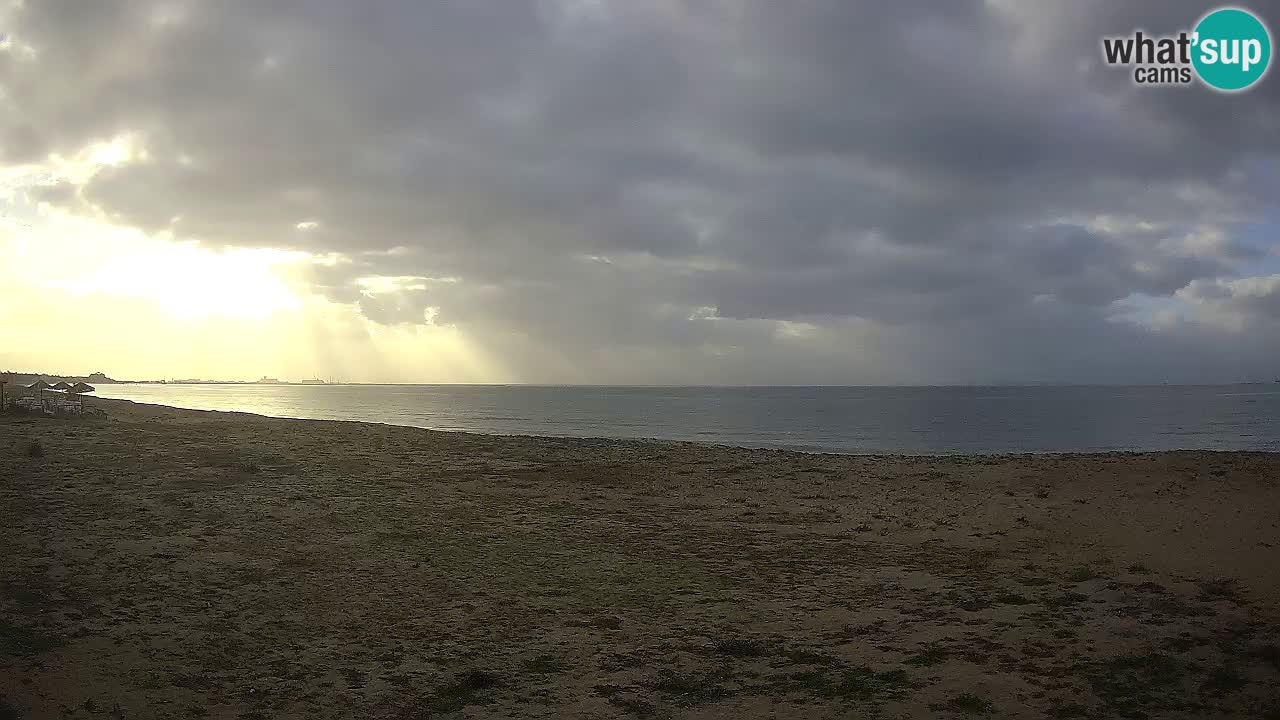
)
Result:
{"points": [[1251, 303], [681, 190]]}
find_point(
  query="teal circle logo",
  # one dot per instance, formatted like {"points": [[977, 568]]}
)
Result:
{"points": [[1231, 49]]}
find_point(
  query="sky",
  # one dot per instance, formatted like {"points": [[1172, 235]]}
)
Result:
{"points": [[629, 192]]}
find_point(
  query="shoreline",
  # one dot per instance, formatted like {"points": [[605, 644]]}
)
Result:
{"points": [[709, 444], [171, 562]]}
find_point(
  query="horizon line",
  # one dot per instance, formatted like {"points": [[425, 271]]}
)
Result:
{"points": [[1012, 384]]}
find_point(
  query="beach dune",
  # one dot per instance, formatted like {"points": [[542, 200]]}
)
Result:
{"points": [[162, 563]]}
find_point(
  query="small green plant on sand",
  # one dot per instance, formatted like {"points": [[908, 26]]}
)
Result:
{"points": [[927, 657], [1082, 573], [462, 692], [7, 710], [969, 704], [543, 665], [1220, 589], [739, 647]]}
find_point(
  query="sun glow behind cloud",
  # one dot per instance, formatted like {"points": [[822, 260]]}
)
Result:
{"points": [[84, 295], [82, 258]]}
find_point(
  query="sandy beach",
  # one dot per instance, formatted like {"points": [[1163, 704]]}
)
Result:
{"points": [[161, 563]]}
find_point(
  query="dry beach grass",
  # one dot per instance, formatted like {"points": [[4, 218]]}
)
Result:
{"points": [[169, 563]]}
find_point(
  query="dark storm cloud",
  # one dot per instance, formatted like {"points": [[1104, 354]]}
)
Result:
{"points": [[933, 191]]}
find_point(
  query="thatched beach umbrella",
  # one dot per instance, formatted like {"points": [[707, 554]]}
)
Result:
{"points": [[80, 389], [37, 389]]}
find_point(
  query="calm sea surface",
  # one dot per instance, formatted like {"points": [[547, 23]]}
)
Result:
{"points": [[835, 419]]}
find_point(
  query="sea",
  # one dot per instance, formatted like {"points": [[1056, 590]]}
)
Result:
{"points": [[911, 420]]}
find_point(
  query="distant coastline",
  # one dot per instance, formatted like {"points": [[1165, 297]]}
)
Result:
{"points": [[264, 380], [101, 378]]}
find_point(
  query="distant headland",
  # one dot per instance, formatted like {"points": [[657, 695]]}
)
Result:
{"points": [[94, 378]]}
